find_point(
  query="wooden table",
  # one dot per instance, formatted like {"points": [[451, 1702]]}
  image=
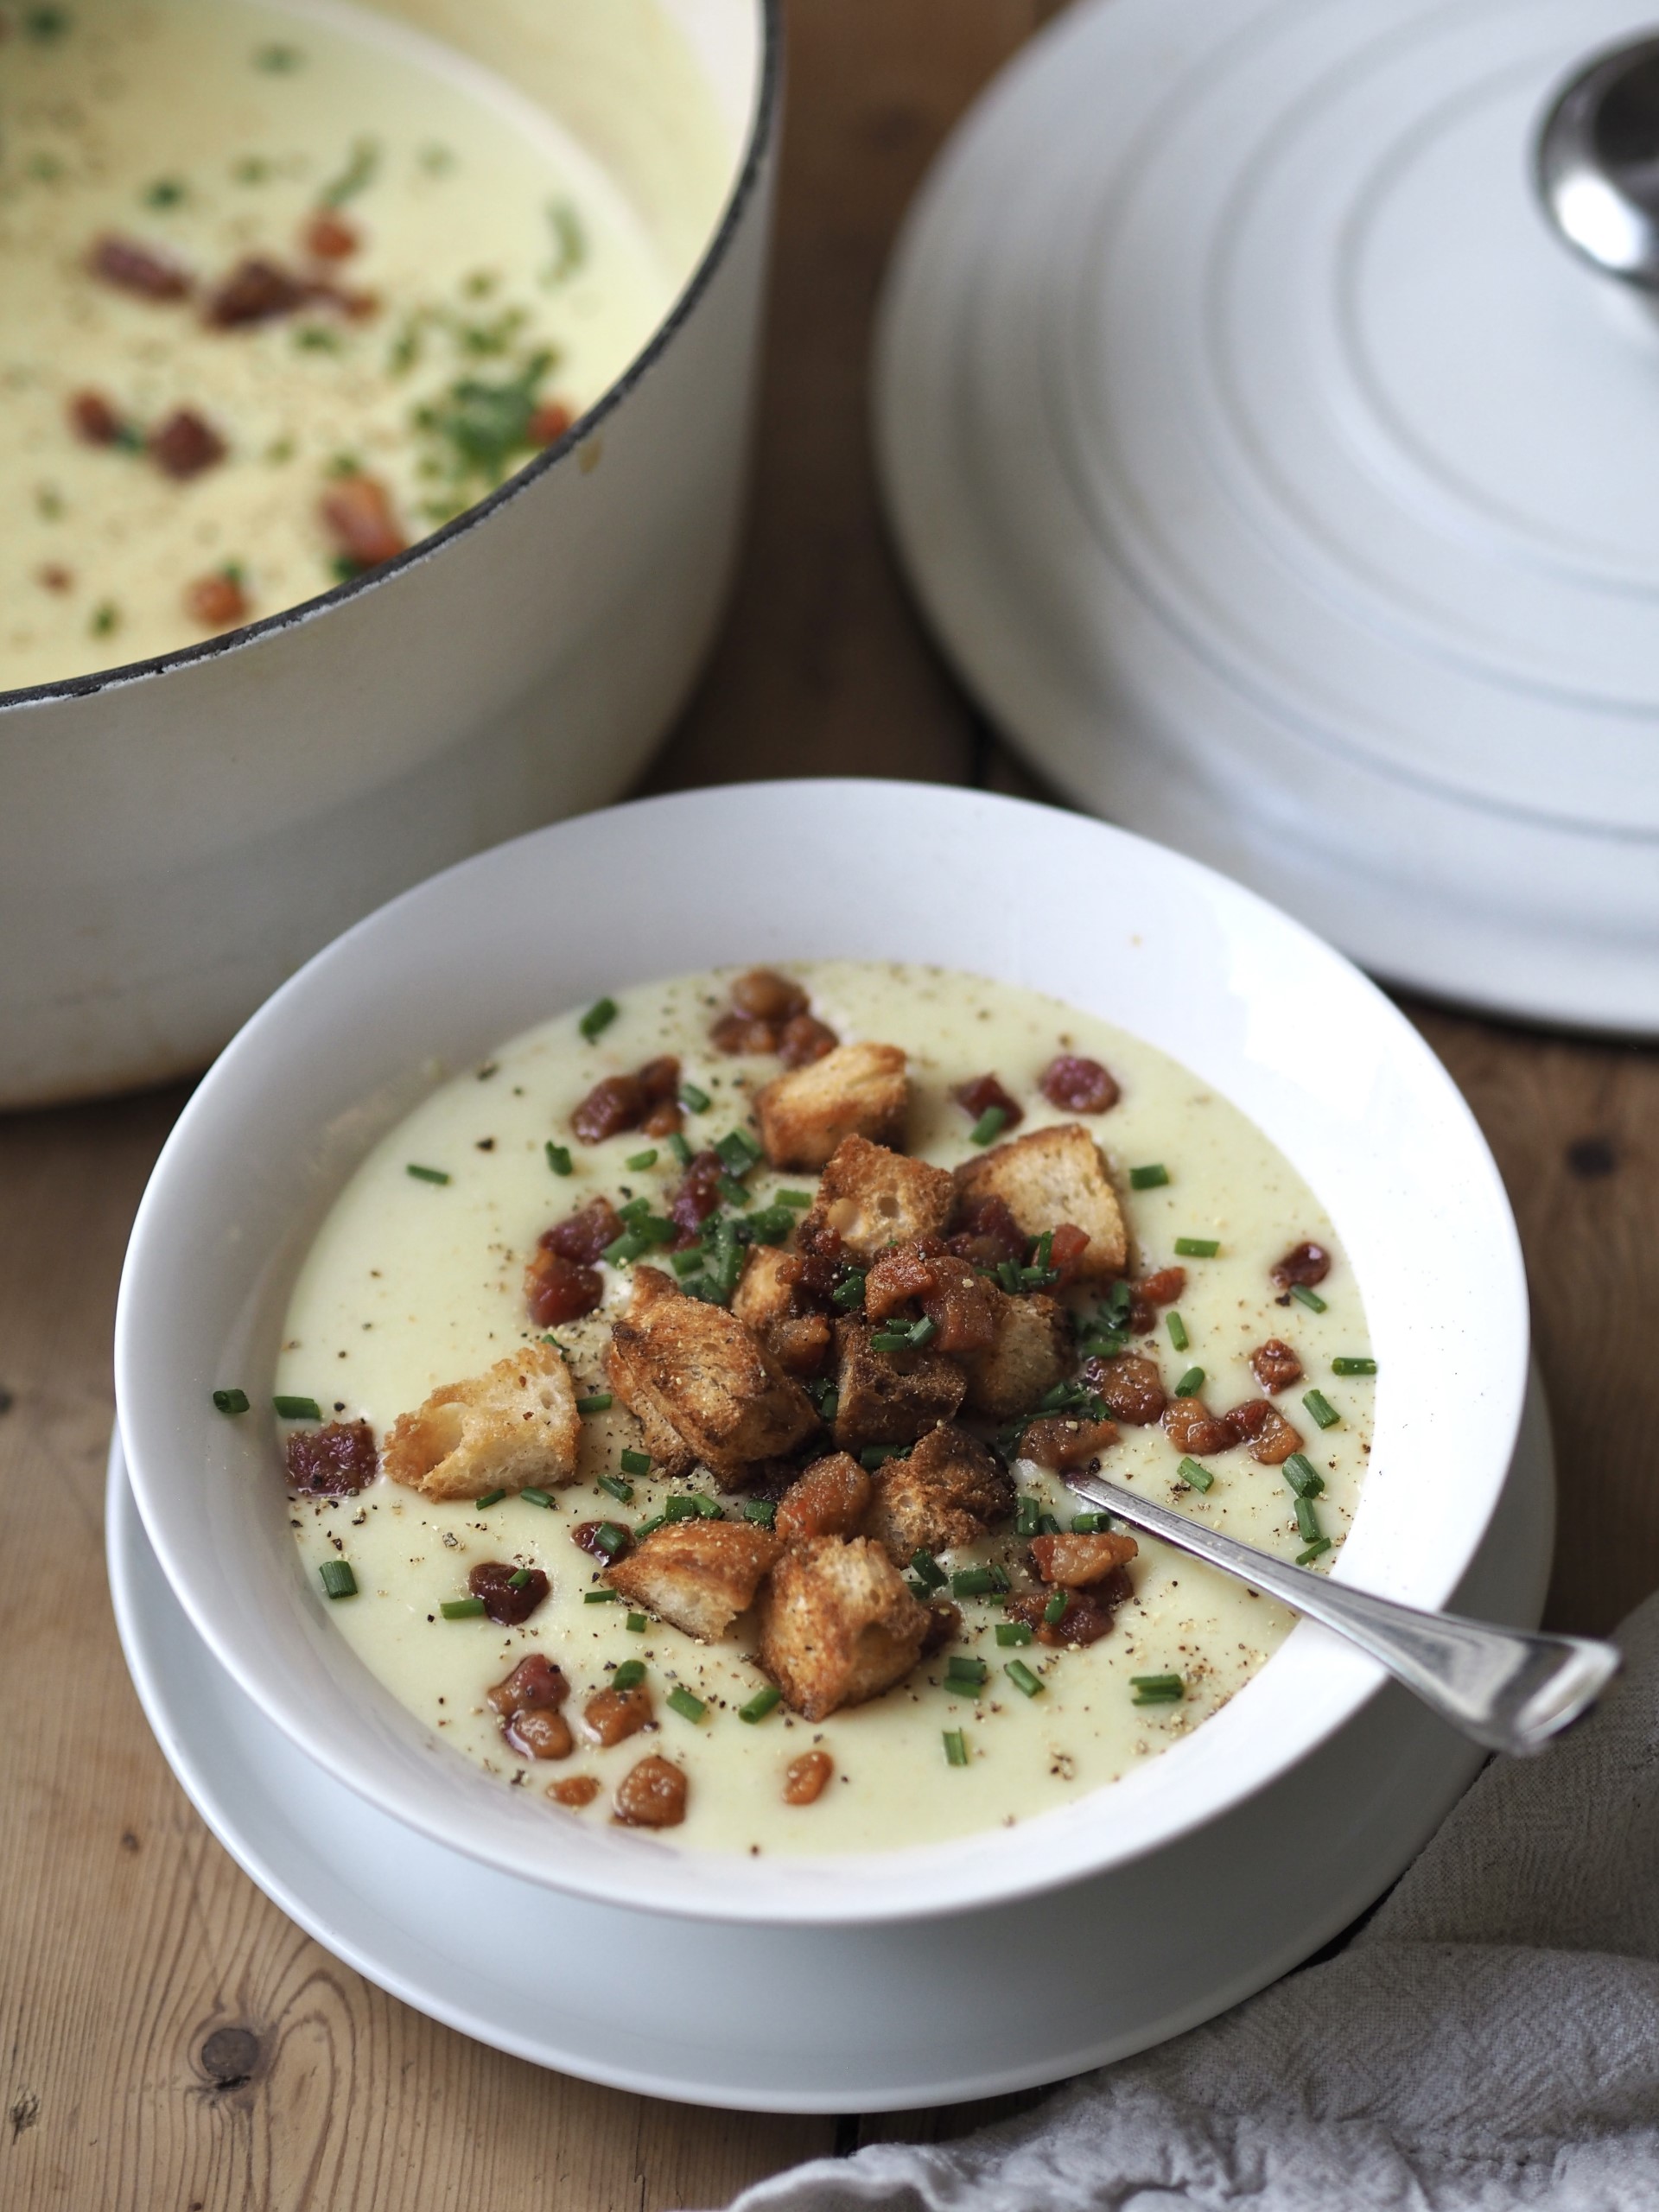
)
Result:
{"points": [[169, 2040]]}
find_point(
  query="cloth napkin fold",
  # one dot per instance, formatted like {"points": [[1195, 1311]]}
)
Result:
{"points": [[1490, 2038]]}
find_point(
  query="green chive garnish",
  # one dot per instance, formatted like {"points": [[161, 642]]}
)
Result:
{"points": [[1308, 1521], [636, 1463], [1090, 1524], [1321, 1408], [709, 1508], [536, 1497], [1346, 1366], [1197, 1477], [693, 1100], [597, 1401], [628, 1246], [1048, 1526], [640, 1160], [927, 1569], [989, 1125], [558, 1158], [598, 1016], [679, 1147], [230, 1401], [877, 1455], [297, 1408], [763, 1702], [1054, 1610], [519, 1579], [1012, 1632], [924, 1332], [956, 1744], [1302, 1475], [800, 1199], [1026, 1515], [613, 1486], [338, 1580], [1157, 1689], [890, 1340], [629, 1675], [686, 1263], [1177, 1327], [739, 1150], [610, 1539], [1022, 1678], [601, 1597], [972, 1671], [680, 1508], [1191, 1383], [977, 1581], [1198, 1248], [462, 1609], [636, 1623], [849, 1294], [688, 1708], [1304, 1296], [426, 1174], [1148, 1178], [762, 1509], [490, 1497], [1319, 1544], [733, 1191]]}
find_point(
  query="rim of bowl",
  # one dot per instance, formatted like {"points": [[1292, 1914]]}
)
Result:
{"points": [[1266, 1729], [752, 155]]}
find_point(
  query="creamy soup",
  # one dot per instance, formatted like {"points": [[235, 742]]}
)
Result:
{"points": [[286, 288], [418, 1279]]}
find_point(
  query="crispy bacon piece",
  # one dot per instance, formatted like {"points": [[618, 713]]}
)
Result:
{"points": [[137, 268], [962, 1307], [1066, 1251], [944, 1625], [1274, 1365], [329, 237], [528, 1701], [333, 1460], [54, 578], [1149, 1293], [652, 1795], [586, 1533], [1059, 1440], [1131, 1386], [770, 1013], [256, 290], [696, 1198], [1079, 1086], [831, 1499], [558, 1290], [611, 1714], [576, 1791], [549, 422], [804, 1778], [492, 1580], [1088, 1616], [742, 1032], [356, 513], [94, 421], [984, 1091], [184, 444], [1078, 1562], [584, 1235], [1191, 1427], [1259, 1422], [986, 1233], [767, 996], [804, 1038], [1303, 1264], [617, 1102], [216, 601]]}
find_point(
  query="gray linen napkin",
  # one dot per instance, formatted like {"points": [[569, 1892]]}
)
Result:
{"points": [[1490, 2038]]}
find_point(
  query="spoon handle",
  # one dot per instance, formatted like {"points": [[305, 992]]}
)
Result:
{"points": [[1510, 1691]]}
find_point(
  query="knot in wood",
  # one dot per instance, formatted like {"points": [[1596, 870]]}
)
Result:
{"points": [[229, 2056]]}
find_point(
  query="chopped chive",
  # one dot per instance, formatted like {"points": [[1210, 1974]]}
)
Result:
{"points": [[1090, 1524], [971, 1670], [739, 1151], [890, 1340], [558, 1158], [596, 1401], [927, 1569], [297, 1408], [733, 1191], [643, 1529], [636, 1623], [1197, 1247], [1008, 1276], [1191, 1383], [1177, 1327], [1048, 1526], [613, 1486], [1107, 1346], [610, 1539], [536, 1497], [462, 1609], [1302, 1475], [1012, 1632], [877, 1455], [956, 1744], [977, 1581], [693, 1100], [762, 1509], [763, 1702], [1321, 1408], [629, 1675], [686, 1263], [800, 1199], [688, 1708], [490, 1497], [600, 1016], [601, 1597], [628, 1246], [1304, 1296], [635, 1463], [427, 1174], [849, 1294], [640, 1160], [1319, 1544], [1120, 1298], [1022, 1678], [680, 1508], [338, 1580], [1308, 1521], [519, 1579], [1054, 1610], [1026, 1513], [989, 1125], [1157, 1689], [1197, 1477], [924, 1332], [1347, 1366], [709, 1508], [679, 1147], [1148, 1178], [230, 1401]]}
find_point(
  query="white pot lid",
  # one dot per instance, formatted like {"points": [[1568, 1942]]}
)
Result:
{"points": [[1288, 488]]}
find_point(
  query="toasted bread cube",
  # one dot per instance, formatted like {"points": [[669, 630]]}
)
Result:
{"points": [[668, 1448], [765, 1289], [698, 1575], [889, 1397], [857, 1090], [837, 1624], [1049, 1177], [829, 1499], [873, 1198], [1031, 1353], [949, 1491], [513, 1425], [707, 1379]]}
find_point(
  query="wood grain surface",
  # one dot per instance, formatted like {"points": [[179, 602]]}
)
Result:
{"points": [[169, 2043]]}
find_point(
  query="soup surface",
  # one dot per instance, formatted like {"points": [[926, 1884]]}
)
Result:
{"points": [[286, 288], [418, 1279]]}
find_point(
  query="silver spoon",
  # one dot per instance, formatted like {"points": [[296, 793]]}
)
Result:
{"points": [[1510, 1691], [1596, 162]]}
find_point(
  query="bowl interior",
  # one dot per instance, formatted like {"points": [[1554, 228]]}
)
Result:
{"points": [[1331, 1072]]}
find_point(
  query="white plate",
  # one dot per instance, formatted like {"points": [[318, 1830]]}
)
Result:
{"points": [[834, 2019], [1289, 489]]}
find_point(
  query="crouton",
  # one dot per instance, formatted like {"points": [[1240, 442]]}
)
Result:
{"points": [[872, 1198], [889, 1397], [692, 1370], [1078, 1562], [766, 1302], [837, 1624], [831, 1499], [857, 1090], [698, 1575], [947, 1492], [513, 1427], [1049, 1177], [1031, 1353]]}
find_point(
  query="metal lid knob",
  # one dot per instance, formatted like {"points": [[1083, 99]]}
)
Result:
{"points": [[1597, 163]]}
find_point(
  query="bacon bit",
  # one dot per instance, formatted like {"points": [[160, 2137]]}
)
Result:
{"points": [[1088, 1616], [357, 512], [534, 1681], [943, 1626], [1076, 1563], [741, 1032], [1306, 1264], [583, 1236], [492, 1580], [558, 1290], [770, 1013], [576, 1791], [329, 237], [540, 1735], [801, 1344], [804, 1040], [216, 601], [1162, 1288], [1131, 1386], [831, 1499], [549, 422], [1066, 1251], [960, 1306], [257, 290], [806, 1778], [661, 1079], [1191, 1427], [94, 421], [1058, 1442], [821, 1264], [696, 1198], [1274, 1365], [137, 268], [356, 306], [332, 1461], [611, 1714], [1270, 1436], [617, 1102], [586, 1533], [184, 445], [768, 996], [652, 1795], [984, 1091], [986, 1233], [1079, 1086], [53, 578]]}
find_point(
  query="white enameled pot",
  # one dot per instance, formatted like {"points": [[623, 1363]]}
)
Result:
{"points": [[177, 836]]}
